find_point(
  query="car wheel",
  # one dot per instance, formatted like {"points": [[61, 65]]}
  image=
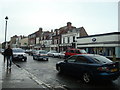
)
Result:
{"points": [[87, 78], [46, 59], [59, 69], [59, 56], [25, 59], [53, 55], [34, 58]]}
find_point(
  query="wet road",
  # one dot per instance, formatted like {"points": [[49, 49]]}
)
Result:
{"points": [[45, 71]]}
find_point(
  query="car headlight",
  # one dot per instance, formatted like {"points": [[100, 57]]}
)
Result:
{"points": [[25, 55]]}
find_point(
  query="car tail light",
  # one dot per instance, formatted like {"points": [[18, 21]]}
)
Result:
{"points": [[103, 68]]}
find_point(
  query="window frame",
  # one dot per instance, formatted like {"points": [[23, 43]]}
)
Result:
{"points": [[83, 60]]}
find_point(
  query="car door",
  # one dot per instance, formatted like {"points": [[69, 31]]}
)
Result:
{"points": [[81, 65], [67, 53], [68, 66]]}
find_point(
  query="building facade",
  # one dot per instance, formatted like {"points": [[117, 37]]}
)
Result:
{"points": [[15, 41], [107, 44], [46, 40], [69, 39], [33, 39], [55, 40], [64, 37], [40, 40], [24, 43]]}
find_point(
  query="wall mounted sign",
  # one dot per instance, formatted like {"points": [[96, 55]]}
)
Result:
{"points": [[94, 39]]}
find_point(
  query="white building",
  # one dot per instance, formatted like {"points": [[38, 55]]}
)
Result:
{"points": [[107, 44], [46, 44], [68, 40]]}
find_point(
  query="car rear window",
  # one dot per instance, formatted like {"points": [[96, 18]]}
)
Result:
{"points": [[80, 51], [18, 50], [101, 59], [53, 51], [83, 51], [81, 59], [42, 52]]}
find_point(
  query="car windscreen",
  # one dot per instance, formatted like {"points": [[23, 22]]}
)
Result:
{"points": [[18, 50], [42, 52], [101, 59], [80, 51], [53, 52]]}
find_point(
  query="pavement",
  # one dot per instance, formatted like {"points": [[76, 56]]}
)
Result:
{"points": [[17, 79]]}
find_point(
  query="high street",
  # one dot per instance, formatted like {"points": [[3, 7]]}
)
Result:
{"points": [[43, 74]]}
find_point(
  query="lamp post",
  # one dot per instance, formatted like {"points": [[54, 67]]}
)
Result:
{"points": [[6, 18]]}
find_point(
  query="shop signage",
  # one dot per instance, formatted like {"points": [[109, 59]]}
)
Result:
{"points": [[94, 39]]}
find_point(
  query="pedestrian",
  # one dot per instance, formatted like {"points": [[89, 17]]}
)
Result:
{"points": [[8, 55]]}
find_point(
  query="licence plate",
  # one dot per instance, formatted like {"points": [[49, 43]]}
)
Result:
{"points": [[114, 70]]}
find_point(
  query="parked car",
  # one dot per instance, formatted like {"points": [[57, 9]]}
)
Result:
{"points": [[62, 54], [28, 51], [73, 51], [90, 67], [50, 53], [31, 52], [55, 54], [40, 55], [19, 54]]}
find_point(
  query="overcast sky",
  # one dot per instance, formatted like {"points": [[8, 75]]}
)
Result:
{"points": [[26, 16]]}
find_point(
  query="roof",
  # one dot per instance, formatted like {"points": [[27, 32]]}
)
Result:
{"points": [[112, 33]]}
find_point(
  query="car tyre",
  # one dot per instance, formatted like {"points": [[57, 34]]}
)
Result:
{"points": [[46, 59], [87, 78], [59, 69], [53, 55], [59, 56], [25, 59], [34, 58]]}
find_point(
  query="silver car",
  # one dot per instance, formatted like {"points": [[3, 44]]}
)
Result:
{"points": [[50, 53], [62, 54], [19, 54], [40, 55]]}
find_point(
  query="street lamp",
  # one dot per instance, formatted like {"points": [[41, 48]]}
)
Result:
{"points": [[6, 18]]}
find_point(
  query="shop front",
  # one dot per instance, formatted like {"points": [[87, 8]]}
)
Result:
{"points": [[107, 44]]}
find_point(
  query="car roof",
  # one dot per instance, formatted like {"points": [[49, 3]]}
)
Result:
{"points": [[52, 51], [41, 50], [17, 48], [87, 55]]}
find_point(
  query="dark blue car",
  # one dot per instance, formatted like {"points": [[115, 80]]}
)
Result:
{"points": [[90, 67]]}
